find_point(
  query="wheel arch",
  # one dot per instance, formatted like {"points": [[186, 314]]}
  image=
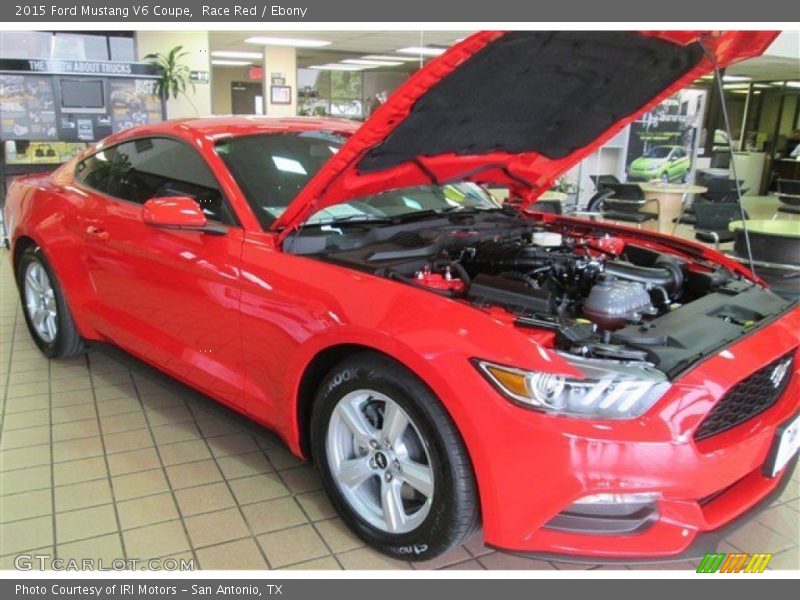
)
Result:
{"points": [[325, 360], [25, 241], [21, 244], [321, 363]]}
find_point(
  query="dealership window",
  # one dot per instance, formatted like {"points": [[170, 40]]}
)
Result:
{"points": [[334, 93], [148, 168]]}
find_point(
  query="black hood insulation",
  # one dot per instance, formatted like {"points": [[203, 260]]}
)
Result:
{"points": [[534, 91]]}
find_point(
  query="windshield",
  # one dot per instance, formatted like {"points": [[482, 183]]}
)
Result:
{"points": [[271, 169], [658, 152], [408, 202]]}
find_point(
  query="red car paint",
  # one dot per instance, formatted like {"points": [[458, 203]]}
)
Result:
{"points": [[235, 317]]}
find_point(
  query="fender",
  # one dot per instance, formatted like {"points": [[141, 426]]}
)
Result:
{"points": [[54, 224]]}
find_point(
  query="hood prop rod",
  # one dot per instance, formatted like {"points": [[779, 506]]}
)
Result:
{"points": [[727, 122]]}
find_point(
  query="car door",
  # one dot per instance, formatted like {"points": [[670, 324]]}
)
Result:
{"points": [[169, 296], [674, 164]]}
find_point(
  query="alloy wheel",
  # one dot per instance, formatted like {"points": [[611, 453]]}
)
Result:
{"points": [[380, 461], [40, 302]]}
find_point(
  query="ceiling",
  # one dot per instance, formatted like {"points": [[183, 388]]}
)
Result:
{"points": [[355, 44], [767, 68], [345, 44]]}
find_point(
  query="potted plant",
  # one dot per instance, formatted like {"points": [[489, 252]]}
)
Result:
{"points": [[174, 75]]}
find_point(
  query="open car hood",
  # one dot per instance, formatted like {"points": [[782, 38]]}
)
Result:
{"points": [[515, 108]]}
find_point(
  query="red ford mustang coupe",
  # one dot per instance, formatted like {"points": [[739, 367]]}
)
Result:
{"points": [[447, 360]]}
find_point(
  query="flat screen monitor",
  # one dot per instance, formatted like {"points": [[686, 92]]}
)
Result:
{"points": [[82, 95]]}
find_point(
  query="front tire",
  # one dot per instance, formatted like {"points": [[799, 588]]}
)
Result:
{"points": [[46, 312], [392, 461]]}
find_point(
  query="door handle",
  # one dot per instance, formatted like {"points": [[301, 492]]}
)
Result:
{"points": [[97, 233]]}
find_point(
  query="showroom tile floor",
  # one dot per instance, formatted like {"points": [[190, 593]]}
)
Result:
{"points": [[101, 461]]}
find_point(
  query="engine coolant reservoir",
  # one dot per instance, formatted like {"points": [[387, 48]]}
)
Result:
{"points": [[547, 239]]}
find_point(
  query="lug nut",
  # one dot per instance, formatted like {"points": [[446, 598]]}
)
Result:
{"points": [[373, 444], [388, 477]]}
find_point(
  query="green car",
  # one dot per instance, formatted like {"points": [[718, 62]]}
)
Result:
{"points": [[668, 163]]}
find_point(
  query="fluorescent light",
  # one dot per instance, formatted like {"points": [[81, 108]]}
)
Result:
{"points": [[231, 63], [390, 58], [744, 86], [371, 63], [338, 67], [236, 54], [424, 51], [728, 78], [793, 84], [277, 41]]}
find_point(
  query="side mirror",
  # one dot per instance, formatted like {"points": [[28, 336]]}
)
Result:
{"points": [[178, 212]]}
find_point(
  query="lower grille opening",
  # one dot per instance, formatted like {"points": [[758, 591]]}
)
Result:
{"points": [[749, 397], [621, 519]]}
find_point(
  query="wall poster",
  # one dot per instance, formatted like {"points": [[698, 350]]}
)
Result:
{"points": [[663, 142], [133, 102], [27, 108]]}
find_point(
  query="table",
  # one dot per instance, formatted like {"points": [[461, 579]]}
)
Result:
{"points": [[670, 198], [553, 196]]}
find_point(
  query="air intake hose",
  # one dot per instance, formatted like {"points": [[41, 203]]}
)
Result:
{"points": [[665, 273]]}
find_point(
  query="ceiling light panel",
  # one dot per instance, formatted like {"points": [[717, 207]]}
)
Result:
{"points": [[296, 42]]}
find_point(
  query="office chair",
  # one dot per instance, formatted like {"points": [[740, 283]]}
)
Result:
{"points": [[712, 220], [626, 203]]}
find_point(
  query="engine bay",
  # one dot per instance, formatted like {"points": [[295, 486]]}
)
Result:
{"points": [[602, 295]]}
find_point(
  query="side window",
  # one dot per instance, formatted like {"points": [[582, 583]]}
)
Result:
{"points": [[94, 171], [156, 167]]}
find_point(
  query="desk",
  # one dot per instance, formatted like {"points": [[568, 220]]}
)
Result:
{"points": [[670, 198]]}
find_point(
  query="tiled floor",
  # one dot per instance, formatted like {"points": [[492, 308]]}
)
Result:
{"points": [[98, 461]]}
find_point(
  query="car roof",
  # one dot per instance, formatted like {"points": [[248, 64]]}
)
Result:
{"points": [[218, 127]]}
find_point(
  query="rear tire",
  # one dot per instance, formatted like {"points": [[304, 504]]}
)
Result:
{"points": [[423, 473], [46, 312]]}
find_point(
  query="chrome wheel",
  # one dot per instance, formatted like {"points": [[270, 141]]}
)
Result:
{"points": [[380, 461], [40, 302]]}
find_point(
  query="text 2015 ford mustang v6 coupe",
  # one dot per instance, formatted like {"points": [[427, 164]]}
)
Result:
{"points": [[447, 361]]}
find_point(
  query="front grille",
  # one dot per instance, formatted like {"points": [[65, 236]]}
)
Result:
{"points": [[748, 398]]}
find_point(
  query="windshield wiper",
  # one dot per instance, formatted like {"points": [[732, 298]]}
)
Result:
{"points": [[352, 220], [469, 210]]}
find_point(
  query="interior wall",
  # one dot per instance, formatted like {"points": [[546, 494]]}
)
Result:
{"points": [[221, 79], [195, 43], [283, 60]]}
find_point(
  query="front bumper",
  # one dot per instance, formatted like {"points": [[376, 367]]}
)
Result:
{"points": [[706, 542], [704, 485]]}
